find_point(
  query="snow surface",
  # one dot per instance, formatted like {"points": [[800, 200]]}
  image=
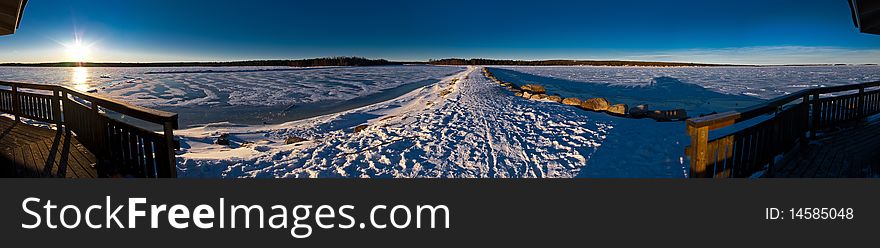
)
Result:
{"points": [[248, 86], [256, 94], [476, 130], [761, 82], [460, 126]]}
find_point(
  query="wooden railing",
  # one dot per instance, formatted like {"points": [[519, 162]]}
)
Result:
{"points": [[122, 149], [772, 129]]}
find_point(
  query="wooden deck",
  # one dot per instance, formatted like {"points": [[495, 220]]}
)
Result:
{"points": [[31, 151], [853, 151]]}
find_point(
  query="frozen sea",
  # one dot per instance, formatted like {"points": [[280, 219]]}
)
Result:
{"points": [[699, 90], [246, 95]]}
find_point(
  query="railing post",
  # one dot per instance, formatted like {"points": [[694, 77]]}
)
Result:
{"points": [[806, 122], [860, 109], [171, 171], [699, 150], [101, 154], [16, 104], [815, 114], [56, 108]]}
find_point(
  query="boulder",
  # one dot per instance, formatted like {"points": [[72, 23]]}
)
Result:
{"points": [[293, 140], [538, 96], [617, 109], [668, 115], [534, 88], [640, 111], [572, 101], [554, 98], [444, 93], [519, 94], [679, 114], [526, 94], [596, 104], [657, 115], [360, 128], [223, 140]]}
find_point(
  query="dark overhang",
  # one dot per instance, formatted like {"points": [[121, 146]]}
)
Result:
{"points": [[866, 15], [11, 12]]}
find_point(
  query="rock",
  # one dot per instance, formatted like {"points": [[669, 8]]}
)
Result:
{"points": [[534, 88], [668, 115], [554, 98], [520, 94], [360, 128], [538, 96], [526, 94], [680, 114], [640, 111], [657, 115], [223, 140], [293, 140], [445, 92], [617, 109], [596, 104], [572, 101]]}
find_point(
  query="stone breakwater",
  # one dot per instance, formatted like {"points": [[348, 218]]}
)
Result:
{"points": [[599, 104]]}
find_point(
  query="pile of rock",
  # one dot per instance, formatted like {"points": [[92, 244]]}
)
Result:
{"points": [[599, 104], [508, 85]]}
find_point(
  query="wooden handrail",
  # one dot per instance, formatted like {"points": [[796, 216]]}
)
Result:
{"points": [[720, 120], [146, 114], [138, 149], [142, 113], [777, 133]]}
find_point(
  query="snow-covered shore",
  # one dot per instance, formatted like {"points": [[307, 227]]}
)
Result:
{"points": [[462, 126]]}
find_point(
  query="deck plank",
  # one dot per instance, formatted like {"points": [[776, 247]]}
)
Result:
{"points": [[852, 151], [32, 151]]}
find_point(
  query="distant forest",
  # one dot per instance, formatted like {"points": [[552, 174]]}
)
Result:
{"points": [[560, 62], [333, 61]]}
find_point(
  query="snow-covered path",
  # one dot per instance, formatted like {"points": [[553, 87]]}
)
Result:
{"points": [[464, 126]]}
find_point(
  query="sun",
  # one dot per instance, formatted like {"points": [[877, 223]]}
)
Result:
{"points": [[77, 52]]}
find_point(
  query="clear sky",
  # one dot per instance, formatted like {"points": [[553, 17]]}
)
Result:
{"points": [[713, 31]]}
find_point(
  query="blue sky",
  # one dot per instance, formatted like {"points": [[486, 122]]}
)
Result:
{"points": [[719, 31]]}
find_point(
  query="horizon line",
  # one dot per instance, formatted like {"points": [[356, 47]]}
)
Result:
{"points": [[414, 61]]}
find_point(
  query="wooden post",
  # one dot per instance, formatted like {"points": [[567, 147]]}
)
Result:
{"points": [[805, 112], [171, 170], [64, 104], [699, 150], [860, 109], [816, 114], [101, 153], [56, 108], [16, 104]]}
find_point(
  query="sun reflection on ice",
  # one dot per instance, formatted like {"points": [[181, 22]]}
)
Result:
{"points": [[79, 78]]}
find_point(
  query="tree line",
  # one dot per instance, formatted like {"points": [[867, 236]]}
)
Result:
{"points": [[329, 61], [456, 61], [360, 61]]}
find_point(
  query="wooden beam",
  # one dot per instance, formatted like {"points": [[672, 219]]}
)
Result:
{"points": [[699, 151]]}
